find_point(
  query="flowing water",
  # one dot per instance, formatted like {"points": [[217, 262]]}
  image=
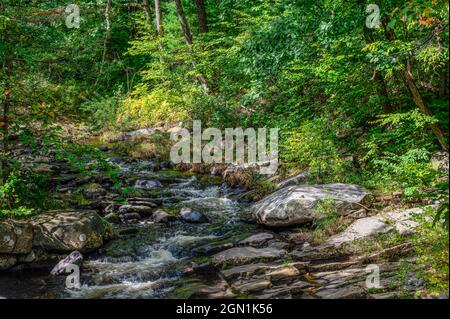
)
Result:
{"points": [[148, 259]]}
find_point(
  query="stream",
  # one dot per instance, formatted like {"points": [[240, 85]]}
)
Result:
{"points": [[148, 259]]}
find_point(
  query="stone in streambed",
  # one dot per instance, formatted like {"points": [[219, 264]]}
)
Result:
{"points": [[103, 148], [252, 286], [94, 191], [256, 240], [160, 216], [192, 216], [296, 205], [143, 211], [147, 184], [130, 217], [75, 258], [300, 178], [244, 255], [405, 221]]}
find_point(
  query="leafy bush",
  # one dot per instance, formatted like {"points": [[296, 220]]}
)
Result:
{"points": [[411, 172], [312, 147], [23, 188], [102, 110], [17, 213], [156, 108]]}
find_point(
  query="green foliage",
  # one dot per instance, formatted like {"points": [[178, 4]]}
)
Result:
{"points": [[312, 146], [442, 213], [17, 213], [103, 110], [327, 208], [411, 172], [432, 247], [397, 133], [22, 189]]}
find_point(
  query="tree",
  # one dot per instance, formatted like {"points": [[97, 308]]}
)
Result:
{"points": [[148, 13], [412, 87], [159, 21], [183, 23], [202, 17], [190, 42]]}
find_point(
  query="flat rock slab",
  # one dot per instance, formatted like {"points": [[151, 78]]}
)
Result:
{"points": [[243, 255], [257, 239], [147, 184], [252, 286], [361, 228], [404, 221], [296, 205]]}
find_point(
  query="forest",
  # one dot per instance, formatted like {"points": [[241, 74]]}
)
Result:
{"points": [[94, 93]]}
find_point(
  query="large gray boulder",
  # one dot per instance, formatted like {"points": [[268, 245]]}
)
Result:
{"points": [[296, 205], [66, 231], [16, 237]]}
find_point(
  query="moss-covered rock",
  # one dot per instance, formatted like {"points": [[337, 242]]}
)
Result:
{"points": [[66, 231]]}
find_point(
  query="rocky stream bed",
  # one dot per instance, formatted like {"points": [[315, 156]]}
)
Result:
{"points": [[181, 235]]}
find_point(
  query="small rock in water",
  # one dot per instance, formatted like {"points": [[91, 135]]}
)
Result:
{"points": [[165, 165], [115, 160], [147, 184], [192, 216], [143, 211], [130, 216], [75, 258], [160, 216]]}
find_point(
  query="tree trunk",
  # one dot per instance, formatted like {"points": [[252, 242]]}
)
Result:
{"points": [[420, 103], [183, 23], [189, 41], [159, 22], [107, 34], [202, 17], [414, 91], [148, 14]]}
